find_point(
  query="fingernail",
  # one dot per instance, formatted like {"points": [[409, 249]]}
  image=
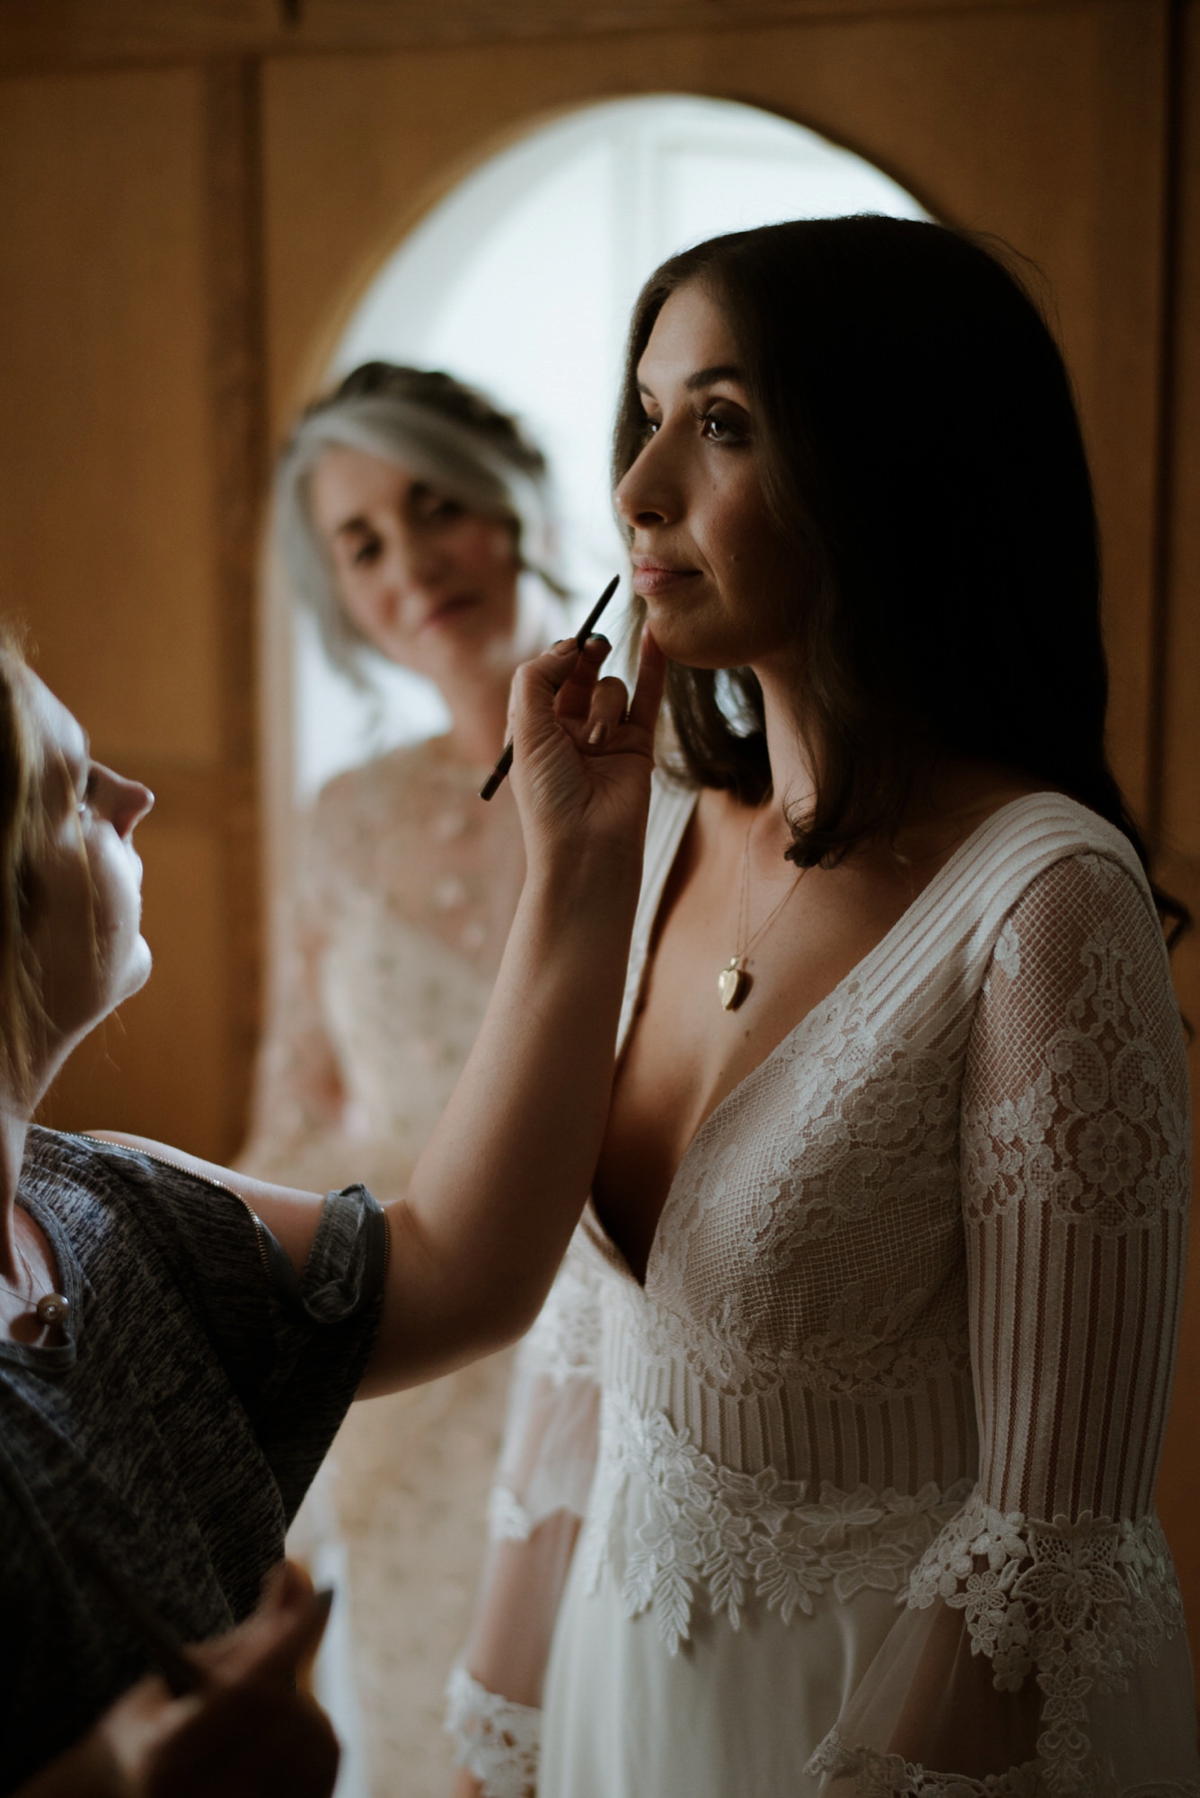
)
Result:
{"points": [[598, 734], [592, 642], [564, 646]]}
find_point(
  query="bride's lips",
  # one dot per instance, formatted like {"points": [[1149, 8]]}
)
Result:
{"points": [[650, 577]]}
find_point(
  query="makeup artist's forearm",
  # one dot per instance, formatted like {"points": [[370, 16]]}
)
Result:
{"points": [[498, 1189]]}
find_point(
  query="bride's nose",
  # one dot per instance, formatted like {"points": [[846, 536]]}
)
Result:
{"points": [[649, 491]]}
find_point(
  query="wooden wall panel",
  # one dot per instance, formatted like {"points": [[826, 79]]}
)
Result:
{"points": [[1046, 128], [105, 525], [137, 202], [1179, 1487], [126, 534], [34, 33]]}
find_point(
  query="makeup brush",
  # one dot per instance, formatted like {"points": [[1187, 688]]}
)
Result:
{"points": [[495, 779]]}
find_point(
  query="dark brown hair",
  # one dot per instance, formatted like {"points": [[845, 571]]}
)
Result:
{"points": [[921, 453]]}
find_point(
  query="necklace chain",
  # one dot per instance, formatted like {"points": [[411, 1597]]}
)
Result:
{"points": [[733, 982], [52, 1309]]}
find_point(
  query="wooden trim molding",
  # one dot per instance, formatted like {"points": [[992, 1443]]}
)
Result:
{"points": [[237, 411], [42, 34]]}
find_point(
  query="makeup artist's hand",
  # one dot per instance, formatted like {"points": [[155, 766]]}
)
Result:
{"points": [[583, 750], [247, 1733]]}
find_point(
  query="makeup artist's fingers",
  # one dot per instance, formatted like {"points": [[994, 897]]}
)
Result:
{"points": [[537, 684], [283, 1634], [648, 692], [251, 1741], [606, 712], [575, 695]]}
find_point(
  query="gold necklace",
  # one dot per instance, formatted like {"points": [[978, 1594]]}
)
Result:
{"points": [[734, 982], [53, 1308]]}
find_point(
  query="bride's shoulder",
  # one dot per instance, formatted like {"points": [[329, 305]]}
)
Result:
{"points": [[1039, 828]]}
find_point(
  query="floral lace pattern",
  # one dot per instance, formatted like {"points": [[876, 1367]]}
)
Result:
{"points": [[563, 1342], [1080, 1604], [878, 1775], [508, 1520], [494, 1739], [932, 1244], [681, 1524], [1100, 1132]]}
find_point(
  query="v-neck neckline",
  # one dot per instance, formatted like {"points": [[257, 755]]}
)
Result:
{"points": [[865, 965]]}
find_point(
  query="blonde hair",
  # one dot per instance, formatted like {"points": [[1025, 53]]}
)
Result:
{"points": [[22, 835]]}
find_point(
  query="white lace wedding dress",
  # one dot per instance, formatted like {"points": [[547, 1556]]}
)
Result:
{"points": [[405, 889], [875, 1445]]}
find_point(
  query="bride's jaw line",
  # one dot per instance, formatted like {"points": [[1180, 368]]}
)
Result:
{"points": [[704, 547]]}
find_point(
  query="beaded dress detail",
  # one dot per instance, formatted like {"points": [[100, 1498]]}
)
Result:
{"points": [[404, 892]]}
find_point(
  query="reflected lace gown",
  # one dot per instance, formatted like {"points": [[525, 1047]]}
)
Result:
{"points": [[866, 1467], [405, 889]]}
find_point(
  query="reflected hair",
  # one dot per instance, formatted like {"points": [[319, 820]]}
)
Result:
{"points": [[22, 834], [443, 432], [921, 456]]}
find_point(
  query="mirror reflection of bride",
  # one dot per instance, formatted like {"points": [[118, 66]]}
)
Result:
{"points": [[414, 519]]}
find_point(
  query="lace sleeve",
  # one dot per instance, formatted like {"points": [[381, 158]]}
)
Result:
{"points": [[1041, 1649], [542, 1483], [298, 1092]]}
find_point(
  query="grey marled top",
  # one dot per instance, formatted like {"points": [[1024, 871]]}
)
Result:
{"points": [[178, 1426]]}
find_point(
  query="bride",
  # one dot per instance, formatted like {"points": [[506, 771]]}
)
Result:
{"points": [[854, 1382]]}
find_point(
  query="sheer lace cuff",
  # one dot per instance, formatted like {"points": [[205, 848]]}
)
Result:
{"points": [[494, 1739], [1080, 1603], [1035, 1659], [548, 1458]]}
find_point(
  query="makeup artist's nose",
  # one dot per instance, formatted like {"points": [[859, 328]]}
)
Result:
{"points": [[123, 802]]}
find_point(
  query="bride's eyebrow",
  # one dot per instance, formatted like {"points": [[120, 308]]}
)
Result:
{"points": [[703, 377], [708, 377]]}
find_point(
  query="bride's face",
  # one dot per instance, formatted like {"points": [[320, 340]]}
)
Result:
{"points": [[429, 584], [708, 559]]}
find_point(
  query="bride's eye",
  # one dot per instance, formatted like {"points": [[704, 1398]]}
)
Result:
{"points": [[727, 426], [84, 798]]}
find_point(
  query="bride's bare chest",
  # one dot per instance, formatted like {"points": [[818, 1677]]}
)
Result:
{"points": [[688, 1049]]}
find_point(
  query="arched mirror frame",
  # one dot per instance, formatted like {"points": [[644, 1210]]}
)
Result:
{"points": [[1043, 127]]}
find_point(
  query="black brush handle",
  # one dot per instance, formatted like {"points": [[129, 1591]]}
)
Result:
{"points": [[499, 773]]}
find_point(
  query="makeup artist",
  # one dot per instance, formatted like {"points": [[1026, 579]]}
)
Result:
{"points": [[178, 1343]]}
